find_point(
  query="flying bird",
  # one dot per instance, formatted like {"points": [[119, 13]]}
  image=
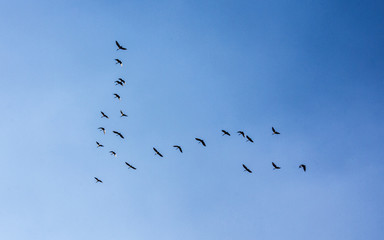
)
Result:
{"points": [[201, 141], [118, 134], [102, 129], [274, 131], [178, 147], [225, 133], [246, 169], [130, 166], [117, 96], [304, 167], [119, 83], [157, 152], [113, 153], [118, 61], [122, 80], [103, 115], [241, 133], [119, 46], [123, 114], [99, 145], [275, 166], [249, 139], [98, 180]]}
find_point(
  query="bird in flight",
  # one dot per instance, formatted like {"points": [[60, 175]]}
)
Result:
{"points": [[103, 115], [275, 166], [118, 134], [246, 169], [225, 133], [113, 153], [201, 141], [119, 83], [122, 80], [249, 139], [130, 166], [123, 114], [102, 129], [119, 46], [274, 131], [178, 147], [99, 145], [304, 167], [117, 96], [241, 133], [98, 180], [118, 61], [157, 152]]}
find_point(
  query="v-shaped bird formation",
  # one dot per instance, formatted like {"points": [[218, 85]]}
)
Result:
{"points": [[121, 82]]}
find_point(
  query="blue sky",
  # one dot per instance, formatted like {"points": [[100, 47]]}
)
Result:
{"points": [[312, 69]]}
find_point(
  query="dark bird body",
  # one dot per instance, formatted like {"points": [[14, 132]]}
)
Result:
{"points": [[98, 180], [130, 166], [178, 147], [113, 153], [119, 47], [157, 152], [241, 133], [117, 96], [304, 167], [118, 134], [274, 131], [275, 166], [201, 141], [119, 83], [249, 139], [246, 169], [225, 133], [99, 145], [103, 115], [118, 61], [102, 129], [123, 114], [122, 80]]}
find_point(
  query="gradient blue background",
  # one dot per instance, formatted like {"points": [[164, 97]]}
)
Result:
{"points": [[312, 69]]}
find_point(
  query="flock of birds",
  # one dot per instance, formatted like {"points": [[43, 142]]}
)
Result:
{"points": [[121, 82]]}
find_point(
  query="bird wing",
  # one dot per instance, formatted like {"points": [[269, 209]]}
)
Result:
{"points": [[118, 45], [273, 130], [274, 165]]}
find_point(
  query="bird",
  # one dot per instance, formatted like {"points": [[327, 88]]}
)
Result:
{"points": [[99, 145], [102, 129], [241, 133], [98, 180], [123, 114], [113, 153], [117, 96], [275, 166], [249, 139], [122, 80], [103, 115], [225, 133], [246, 169], [201, 141], [130, 166], [274, 131], [118, 134], [178, 147], [119, 46], [304, 167], [157, 152], [118, 61], [119, 83]]}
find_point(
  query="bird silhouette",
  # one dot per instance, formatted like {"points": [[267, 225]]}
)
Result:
{"points": [[119, 83], [274, 131], [178, 147], [225, 133], [122, 80], [246, 169], [118, 134], [241, 133], [201, 141], [130, 166], [99, 145], [117, 96], [275, 166], [113, 153], [123, 114], [249, 139], [157, 152], [119, 46], [98, 180], [118, 61], [103, 115], [304, 167], [102, 129]]}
